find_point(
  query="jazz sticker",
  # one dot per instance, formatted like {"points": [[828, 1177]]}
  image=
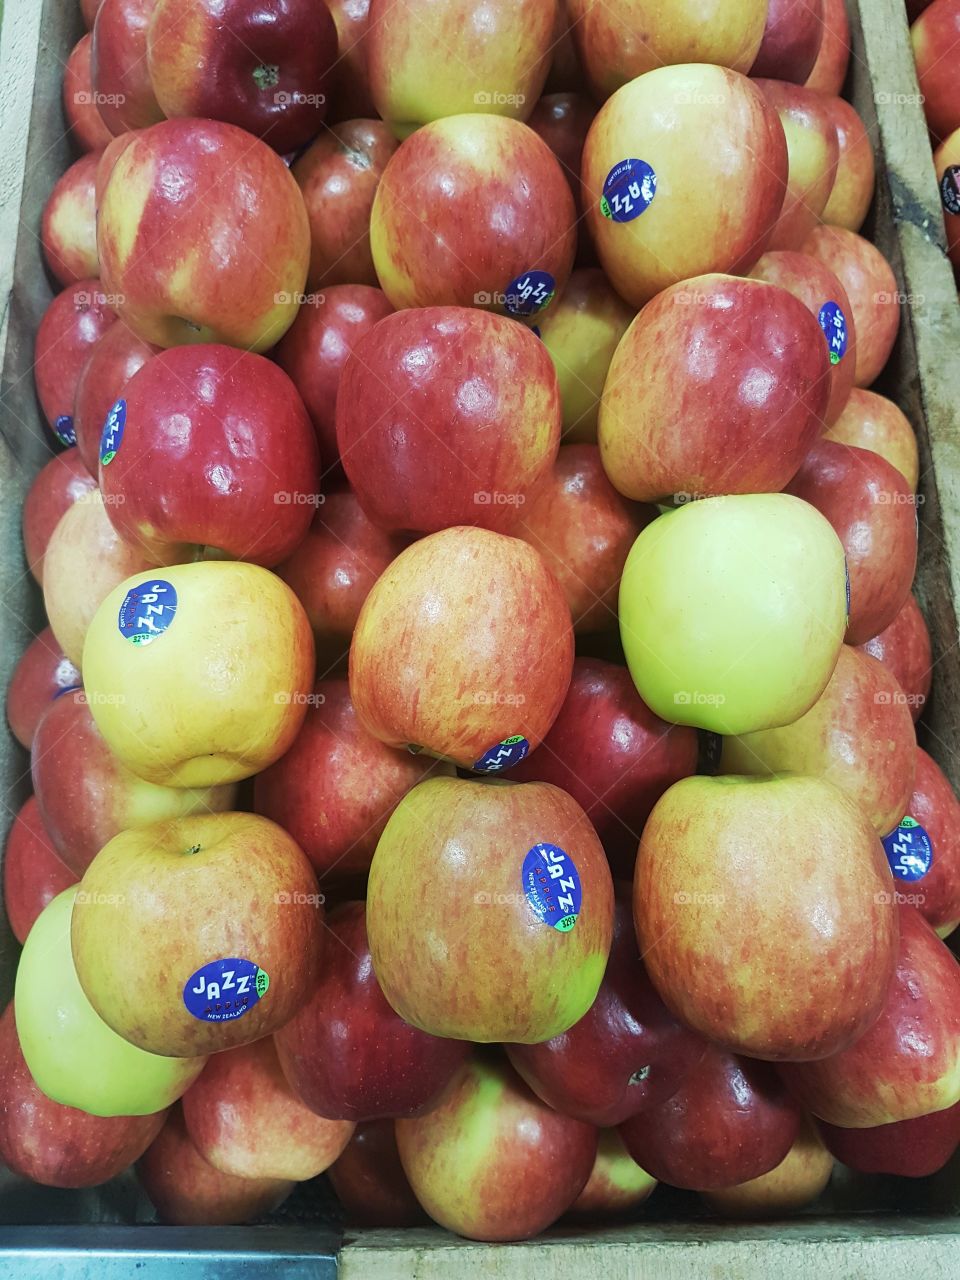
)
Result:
{"points": [[950, 188], [64, 429], [224, 989], [503, 755], [112, 433], [628, 190], [909, 850], [834, 325], [551, 884], [147, 611], [529, 293]]}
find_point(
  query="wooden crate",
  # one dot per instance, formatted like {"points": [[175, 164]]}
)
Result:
{"points": [[922, 377]]}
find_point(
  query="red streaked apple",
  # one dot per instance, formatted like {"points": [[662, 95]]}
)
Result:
{"points": [[42, 673], [492, 1162], [907, 1064], [352, 98], [473, 210], [791, 40], [764, 912], [464, 874], [934, 36], [935, 875], [109, 367], [719, 386], [906, 1148], [904, 649], [68, 228], [789, 1187], [447, 416], [186, 699], [85, 122], [121, 77], [858, 735], [616, 1186], [830, 69], [346, 1054], [176, 190], [563, 120], [424, 674], [645, 170], [71, 324], [369, 1181], [220, 969], [33, 874], [856, 171], [870, 421], [812, 156], [107, 159], [55, 488]]}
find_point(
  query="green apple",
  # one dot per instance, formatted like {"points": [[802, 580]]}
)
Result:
{"points": [[73, 1056], [733, 610]]}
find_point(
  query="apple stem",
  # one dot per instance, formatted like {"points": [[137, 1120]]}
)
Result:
{"points": [[266, 76], [194, 848]]}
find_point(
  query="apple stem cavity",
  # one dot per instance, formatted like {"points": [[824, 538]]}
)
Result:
{"points": [[638, 1077], [266, 76], [194, 848]]}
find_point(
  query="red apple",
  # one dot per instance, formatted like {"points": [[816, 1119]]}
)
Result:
{"points": [[352, 98], [424, 674], [85, 122], [55, 1145], [108, 157], [946, 160], [88, 9], [934, 35], [492, 1162], [906, 1148], [121, 77], [369, 1181], [339, 175], [473, 210], [873, 422], [904, 649], [315, 348], [931, 866], [71, 324], [42, 673], [202, 183], [856, 173], [719, 386], [563, 120], [613, 755], [33, 874], [109, 367], [872, 289], [68, 228], [57, 485], [264, 67], [905, 1064], [830, 69], [790, 1186], [187, 1191], [729, 1121], [874, 512], [791, 40], [616, 1186], [812, 154]]}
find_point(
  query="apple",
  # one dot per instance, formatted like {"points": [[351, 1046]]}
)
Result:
{"points": [[764, 912], [609, 751], [68, 227], [315, 348], [492, 1162], [791, 40], [60, 1146], [870, 421], [732, 611], [210, 447], [645, 169], [264, 67], [563, 120], [71, 324], [174, 962], [731, 1120], [719, 386], [245, 1120], [333, 570], [584, 530], [352, 98], [627, 1053], [424, 675], [346, 1054], [111, 364], [334, 790], [822, 293], [57, 486], [872, 289], [489, 910], [88, 9], [906, 1148], [187, 1191], [907, 1064], [565, 74], [473, 210], [107, 159], [874, 513], [72, 1054], [830, 69], [176, 190], [904, 649], [86, 796], [619, 40], [121, 76], [858, 735], [198, 675], [467, 55], [789, 1187], [813, 153], [429, 439], [934, 35], [42, 673], [616, 1186], [33, 874], [369, 1181], [946, 160], [338, 175], [924, 849], [84, 120], [856, 171]]}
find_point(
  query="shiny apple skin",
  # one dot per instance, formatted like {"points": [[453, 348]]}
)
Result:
{"points": [[904, 649], [935, 806], [352, 98], [33, 873], [870, 421], [813, 152], [71, 324], [68, 228], [791, 40], [108, 368], [904, 1149], [87, 129], [856, 169], [42, 673], [119, 65], [369, 1181], [58, 484], [830, 69], [934, 36]]}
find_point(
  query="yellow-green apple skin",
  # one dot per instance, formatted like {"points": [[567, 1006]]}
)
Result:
{"points": [[73, 1056], [581, 331], [616, 1185], [813, 153], [209, 684], [699, 129], [492, 1162], [733, 611], [795, 1182], [199, 934], [459, 945], [432, 58], [871, 421], [764, 912]]}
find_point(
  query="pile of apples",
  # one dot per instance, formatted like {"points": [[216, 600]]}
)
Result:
{"points": [[521, 351], [935, 35]]}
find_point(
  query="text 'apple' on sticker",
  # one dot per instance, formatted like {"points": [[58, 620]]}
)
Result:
{"points": [[503, 755], [909, 850], [835, 329], [950, 188], [112, 434], [147, 611], [551, 885], [223, 990], [628, 190], [529, 292]]}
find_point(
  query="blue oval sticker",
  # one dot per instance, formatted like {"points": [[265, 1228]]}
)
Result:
{"points": [[503, 755], [147, 610], [950, 189], [551, 884], [909, 850], [834, 325], [223, 990], [628, 190], [112, 434], [528, 293], [64, 430]]}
